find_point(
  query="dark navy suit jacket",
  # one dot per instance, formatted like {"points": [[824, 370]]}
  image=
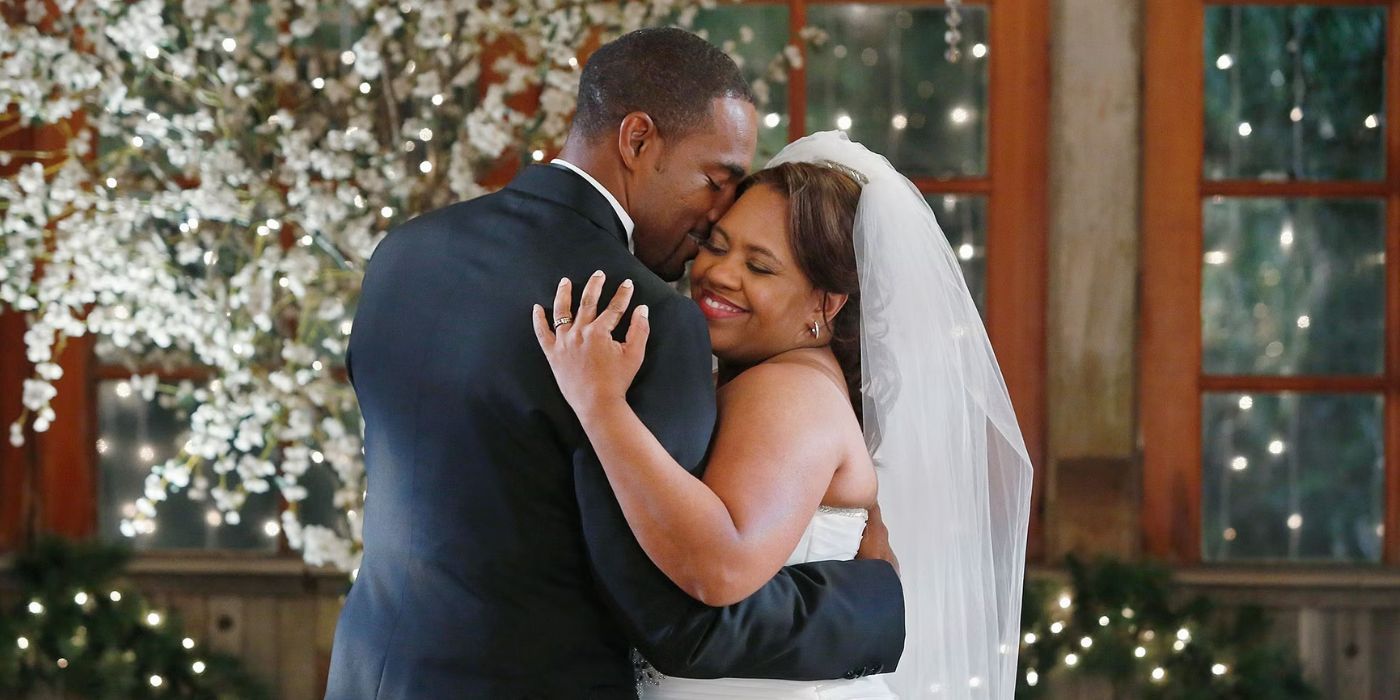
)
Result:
{"points": [[497, 562]]}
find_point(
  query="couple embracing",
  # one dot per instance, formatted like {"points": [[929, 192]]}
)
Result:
{"points": [[565, 501]]}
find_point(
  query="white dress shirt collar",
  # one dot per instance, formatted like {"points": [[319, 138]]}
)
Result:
{"points": [[627, 223]]}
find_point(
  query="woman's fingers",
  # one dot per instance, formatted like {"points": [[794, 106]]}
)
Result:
{"points": [[542, 331], [638, 332], [611, 316], [588, 305], [563, 303]]}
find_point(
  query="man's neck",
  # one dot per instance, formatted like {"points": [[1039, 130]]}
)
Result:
{"points": [[605, 172]]}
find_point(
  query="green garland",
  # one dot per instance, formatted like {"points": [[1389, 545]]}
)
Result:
{"points": [[75, 632], [1116, 621]]}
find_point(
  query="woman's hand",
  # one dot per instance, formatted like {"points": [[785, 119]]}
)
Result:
{"points": [[592, 369]]}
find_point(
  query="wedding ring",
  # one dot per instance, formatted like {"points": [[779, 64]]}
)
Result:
{"points": [[562, 321]]}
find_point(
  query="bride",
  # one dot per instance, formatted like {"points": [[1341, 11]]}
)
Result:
{"points": [[849, 349]]}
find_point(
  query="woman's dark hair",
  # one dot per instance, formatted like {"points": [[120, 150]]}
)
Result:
{"points": [[821, 221]]}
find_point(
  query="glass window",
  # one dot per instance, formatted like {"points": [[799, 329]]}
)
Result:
{"points": [[964, 221], [755, 36]]}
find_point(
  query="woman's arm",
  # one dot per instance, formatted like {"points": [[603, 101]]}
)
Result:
{"points": [[773, 457]]}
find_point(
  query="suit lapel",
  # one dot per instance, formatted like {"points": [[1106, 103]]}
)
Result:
{"points": [[564, 187]]}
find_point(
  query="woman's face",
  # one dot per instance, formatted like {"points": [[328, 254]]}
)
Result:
{"points": [[755, 298]]}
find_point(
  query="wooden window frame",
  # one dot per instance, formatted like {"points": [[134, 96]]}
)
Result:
{"points": [[1171, 379], [1017, 222]]}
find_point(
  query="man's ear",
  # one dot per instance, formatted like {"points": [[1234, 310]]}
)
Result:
{"points": [[637, 140]]}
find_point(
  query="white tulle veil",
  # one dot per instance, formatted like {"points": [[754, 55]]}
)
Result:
{"points": [[955, 477]]}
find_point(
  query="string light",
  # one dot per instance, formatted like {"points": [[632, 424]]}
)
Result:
{"points": [[979, 50], [156, 681], [1086, 642], [899, 121], [62, 663], [1224, 62], [230, 44], [1295, 521], [1071, 659], [843, 122], [772, 119], [1239, 463], [1276, 447], [1103, 621], [1159, 674], [115, 596], [364, 88], [1140, 652], [197, 667], [36, 608], [437, 100], [271, 528], [1304, 321], [425, 167], [573, 62], [1296, 114], [537, 155], [966, 252], [386, 212], [1245, 129], [152, 52], [187, 643], [22, 642], [1030, 637], [425, 134], [153, 618], [1032, 677], [213, 519], [1219, 669], [1217, 257], [348, 58], [1372, 121], [1065, 601], [960, 115], [81, 598], [318, 82], [1057, 627]]}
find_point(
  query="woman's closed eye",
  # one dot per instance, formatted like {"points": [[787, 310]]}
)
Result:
{"points": [[759, 269]]}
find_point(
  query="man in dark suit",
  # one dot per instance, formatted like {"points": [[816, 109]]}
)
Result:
{"points": [[497, 563]]}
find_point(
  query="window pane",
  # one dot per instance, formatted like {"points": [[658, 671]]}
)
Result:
{"points": [[964, 221], [882, 76], [755, 35], [1293, 286], [1292, 476], [1295, 92], [135, 434]]}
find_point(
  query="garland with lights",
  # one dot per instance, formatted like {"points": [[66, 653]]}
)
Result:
{"points": [[75, 630], [1117, 621]]}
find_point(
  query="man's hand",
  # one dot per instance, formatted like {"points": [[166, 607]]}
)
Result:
{"points": [[875, 543]]}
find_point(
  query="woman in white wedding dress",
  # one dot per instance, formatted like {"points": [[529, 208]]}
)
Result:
{"points": [[846, 339]]}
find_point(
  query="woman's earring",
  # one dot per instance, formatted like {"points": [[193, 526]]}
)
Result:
{"points": [[816, 330]]}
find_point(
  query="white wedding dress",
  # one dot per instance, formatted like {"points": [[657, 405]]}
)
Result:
{"points": [[833, 534]]}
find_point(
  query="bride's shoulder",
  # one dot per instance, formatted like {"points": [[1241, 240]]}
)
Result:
{"points": [[796, 371]]}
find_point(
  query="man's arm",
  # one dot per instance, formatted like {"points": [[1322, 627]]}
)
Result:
{"points": [[811, 622]]}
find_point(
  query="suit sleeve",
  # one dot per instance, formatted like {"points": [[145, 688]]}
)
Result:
{"points": [[813, 621]]}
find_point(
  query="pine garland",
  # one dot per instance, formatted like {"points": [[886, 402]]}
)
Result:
{"points": [[76, 632], [1116, 621]]}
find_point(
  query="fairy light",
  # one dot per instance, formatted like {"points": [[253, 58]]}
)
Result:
{"points": [[1225, 62], [1372, 121], [1086, 642], [386, 212], [425, 167], [1296, 114], [1057, 627], [213, 519], [979, 50], [1276, 447], [153, 618], [347, 57], [318, 82], [229, 44], [1295, 521], [36, 608], [271, 528], [1071, 659], [187, 643], [197, 667], [1219, 669], [425, 134], [1103, 621], [81, 598], [115, 596], [364, 88], [1032, 677], [960, 115], [772, 119], [1239, 463], [843, 122], [156, 681], [1217, 257], [1159, 674], [537, 155], [1140, 652], [152, 52], [1030, 638], [1065, 601], [22, 642], [437, 100], [1304, 321], [1245, 129], [899, 122]]}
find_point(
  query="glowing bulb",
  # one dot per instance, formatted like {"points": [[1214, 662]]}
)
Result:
{"points": [[1296, 114], [1276, 447], [1030, 637], [1246, 403], [843, 122], [137, 141], [22, 642], [1057, 627], [1140, 652], [1065, 601], [960, 115], [81, 598], [1086, 642], [348, 58], [1218, 669], [1239, 464], [187, 643], [1032, 677], [111, 183], [156, 681], [213, 519], [1304, 321], [437, 100], [1103, 621], [1158, 674], [318, 82], [537, 156], [425, 167], [1071, 659], [573, 62], [1178, 645], [1295, 521], [229, 44], [1372, 121], [317, 457], [772, 119], [1183, 634], [979, 50], [1230, 534], [1224, 62], [966, 251], [115, 596], [153, 618], [197, 667], [386, 212], [974, 682], [425, 134], [1245, 129], [36, 608], [271, 528], [1217, 257], [364, 88], [152, 52], [146, 453], [305, 240], [899, 122]]}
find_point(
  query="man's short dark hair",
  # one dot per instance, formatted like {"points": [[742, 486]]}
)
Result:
{"points": [[668, 73]]}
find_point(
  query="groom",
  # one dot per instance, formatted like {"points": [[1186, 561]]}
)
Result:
{"points": [[497, 562]]}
